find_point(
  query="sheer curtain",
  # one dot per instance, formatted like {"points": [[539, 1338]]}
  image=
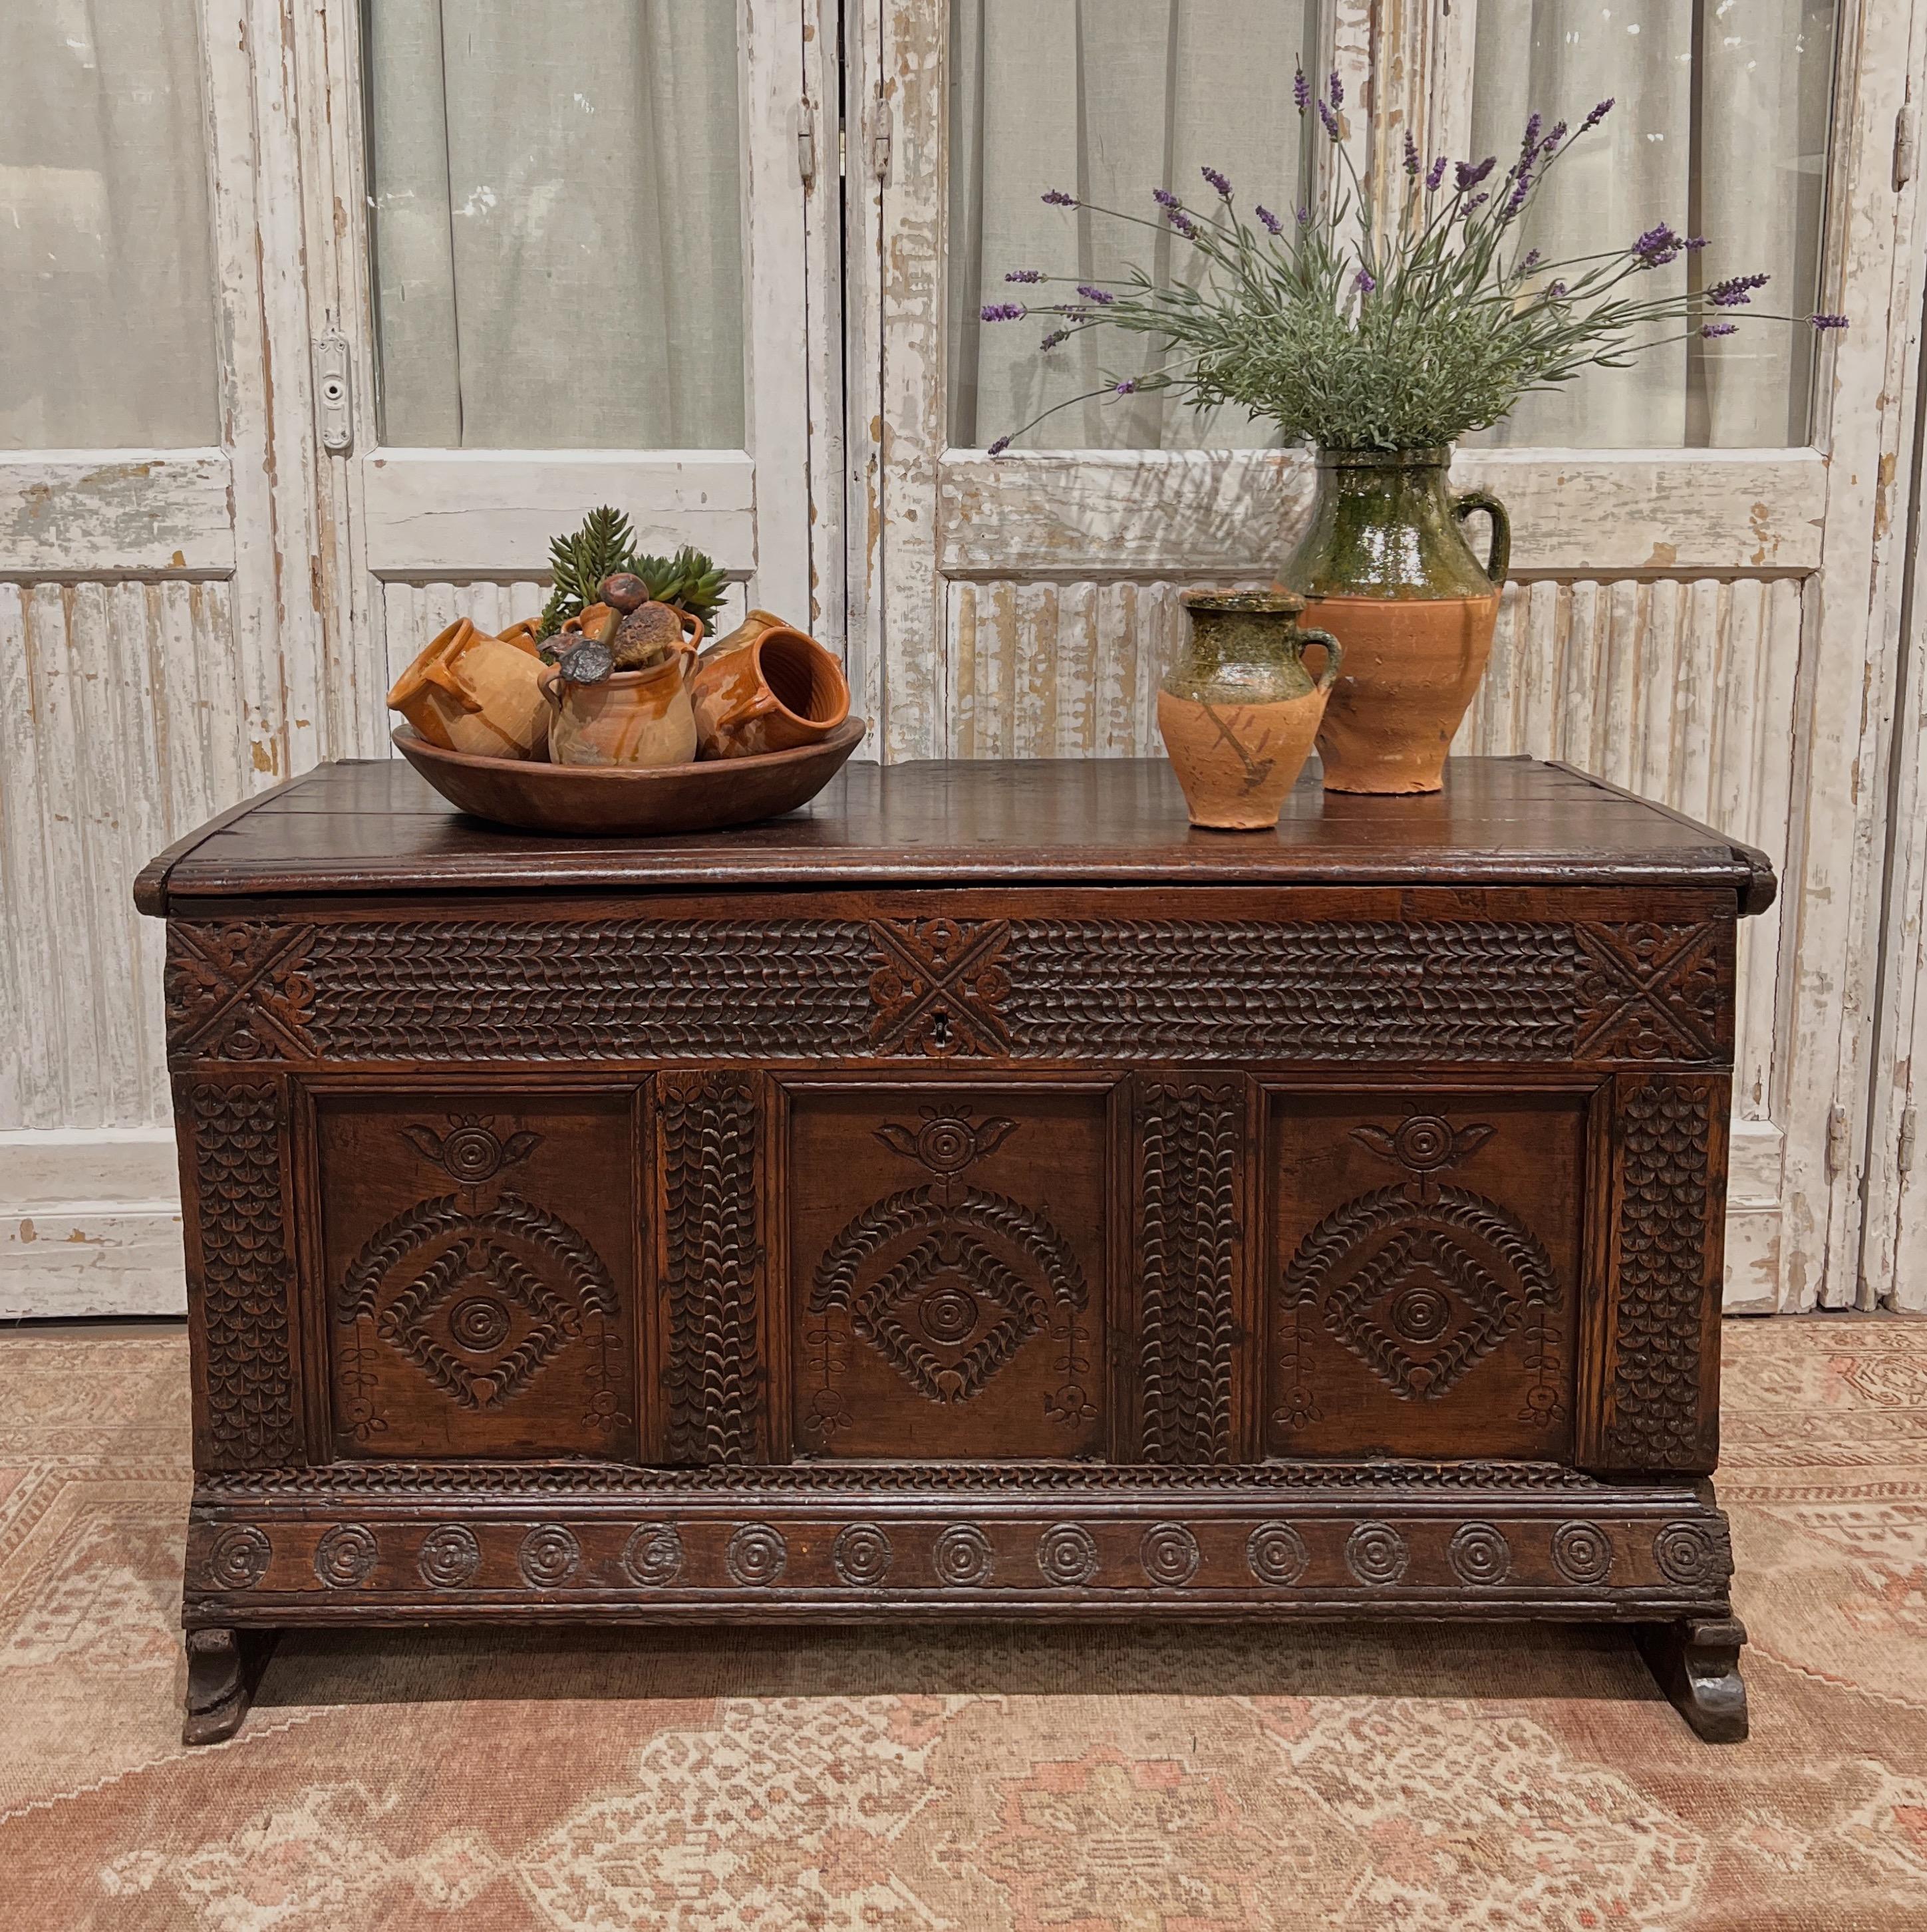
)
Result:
{"points": [[1106, 99], [1721, 128], [558, 223], [107, 250]]}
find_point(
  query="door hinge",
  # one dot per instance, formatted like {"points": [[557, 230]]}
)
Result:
{"points": [[1903, 1155], [1903, 146], [1838, 1149], [805, 142], [879, 138], [335, 393]]}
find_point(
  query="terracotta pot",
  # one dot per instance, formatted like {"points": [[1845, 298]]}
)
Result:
{"points": [[1386, 569], [767, 687], [1239, 710], [632, 717], [467, 691]]}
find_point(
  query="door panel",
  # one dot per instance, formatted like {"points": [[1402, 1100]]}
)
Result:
{"points": [[1426, 1272], [949, 1270], [479, 1274]]}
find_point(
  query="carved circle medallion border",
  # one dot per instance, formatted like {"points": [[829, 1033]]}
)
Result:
{"points": [[345, 1556], [237, 1557], [1480, 1555], [1691, 1555], [757, 1555], [1067, 1554], [963, 1557], [1169, 1554], [549, 1557], [1582, 1552], [448, 1557], [862, 1555], [1376, 1555], [1275, 1552], [653, 1555]]}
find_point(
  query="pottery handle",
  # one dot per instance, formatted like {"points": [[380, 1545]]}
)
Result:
{"points": [[1500, 554], [550, 685], [1334, 656]]}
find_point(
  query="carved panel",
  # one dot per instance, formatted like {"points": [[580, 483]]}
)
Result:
{"points": [[953, 1250], [1185, 990], [1662, 1395], [1434, 1314], [1190, 1260], [710, 1258], [479, 1263], [246, 1276]]}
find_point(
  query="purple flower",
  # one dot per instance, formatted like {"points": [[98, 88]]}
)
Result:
{"points": [[1217, 181], [1056, 336], [1466, 176], [1057, 198], [1657, 247], [1300, 90], [1125, 387], [1183, 223], [1477, 200], [1103, 298], [1598, 115], [1736, 291], [1823, 323], [1001, 312], [998, 448], [1555, 291], [1516, 199], [1710, 329], [1529, 144], [1302, 215], [1337, 90], [1270, 220], [1024, 275], [1365, 281], [1552, 139], [1164, 197], [1329, 119], [1531, 259], [1435, 174], [1411, 153], [1694, 244]]}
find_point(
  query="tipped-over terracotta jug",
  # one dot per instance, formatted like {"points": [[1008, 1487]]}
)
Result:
{"points": [[1238, 709], [467, 691], [767, 687], [1385, 569]]}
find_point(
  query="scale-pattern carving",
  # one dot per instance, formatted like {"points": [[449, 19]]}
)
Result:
{"points": [[593, 989], [1385, 990], [1191, 1136], [1665, 1222], [237, 989], [706, 1123], [245, 1273]]}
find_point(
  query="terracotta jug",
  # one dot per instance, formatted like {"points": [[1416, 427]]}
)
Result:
{"points": [[1239, 710], [637, 718], [767, 687], [467, 691], [1387, 571]]}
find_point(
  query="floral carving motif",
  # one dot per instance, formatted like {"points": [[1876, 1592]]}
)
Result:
{"points": [[471, 1151], [237, 989], [974, 1276], [1650, 992], [940, 987]]}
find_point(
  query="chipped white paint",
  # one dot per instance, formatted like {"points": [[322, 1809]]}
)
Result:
{"points": [[98, 512]]}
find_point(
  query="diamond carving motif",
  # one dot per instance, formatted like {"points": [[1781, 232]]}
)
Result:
{"points": [[968, 1276]]}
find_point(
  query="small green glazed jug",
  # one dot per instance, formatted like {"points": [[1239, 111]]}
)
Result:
{"points": [[1239, 709]]}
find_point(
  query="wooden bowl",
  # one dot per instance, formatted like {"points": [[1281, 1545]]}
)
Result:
{"points": [[592, 798]]}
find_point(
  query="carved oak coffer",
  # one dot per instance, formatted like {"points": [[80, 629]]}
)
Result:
{"points": [[979, 1195]]}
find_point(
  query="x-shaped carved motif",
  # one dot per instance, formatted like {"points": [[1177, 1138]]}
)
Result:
{"points": [[1636, 993], [938, 988], [236, 991]]}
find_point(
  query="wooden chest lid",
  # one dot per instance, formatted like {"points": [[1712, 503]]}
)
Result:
{"points": [[373, 826]]}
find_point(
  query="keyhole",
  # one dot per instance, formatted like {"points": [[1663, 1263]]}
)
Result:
{"points": [[939, 1028]]}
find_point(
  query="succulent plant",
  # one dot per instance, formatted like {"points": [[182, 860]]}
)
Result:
{"points": [[602, 586], [688, 581], [578, 562]]}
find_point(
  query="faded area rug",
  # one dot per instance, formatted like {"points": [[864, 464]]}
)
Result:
{"points": [[996, 1780]]}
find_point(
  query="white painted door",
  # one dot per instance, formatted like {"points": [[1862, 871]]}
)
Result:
{"points": [[558, 259], [1666, 626], [156, 661]]}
